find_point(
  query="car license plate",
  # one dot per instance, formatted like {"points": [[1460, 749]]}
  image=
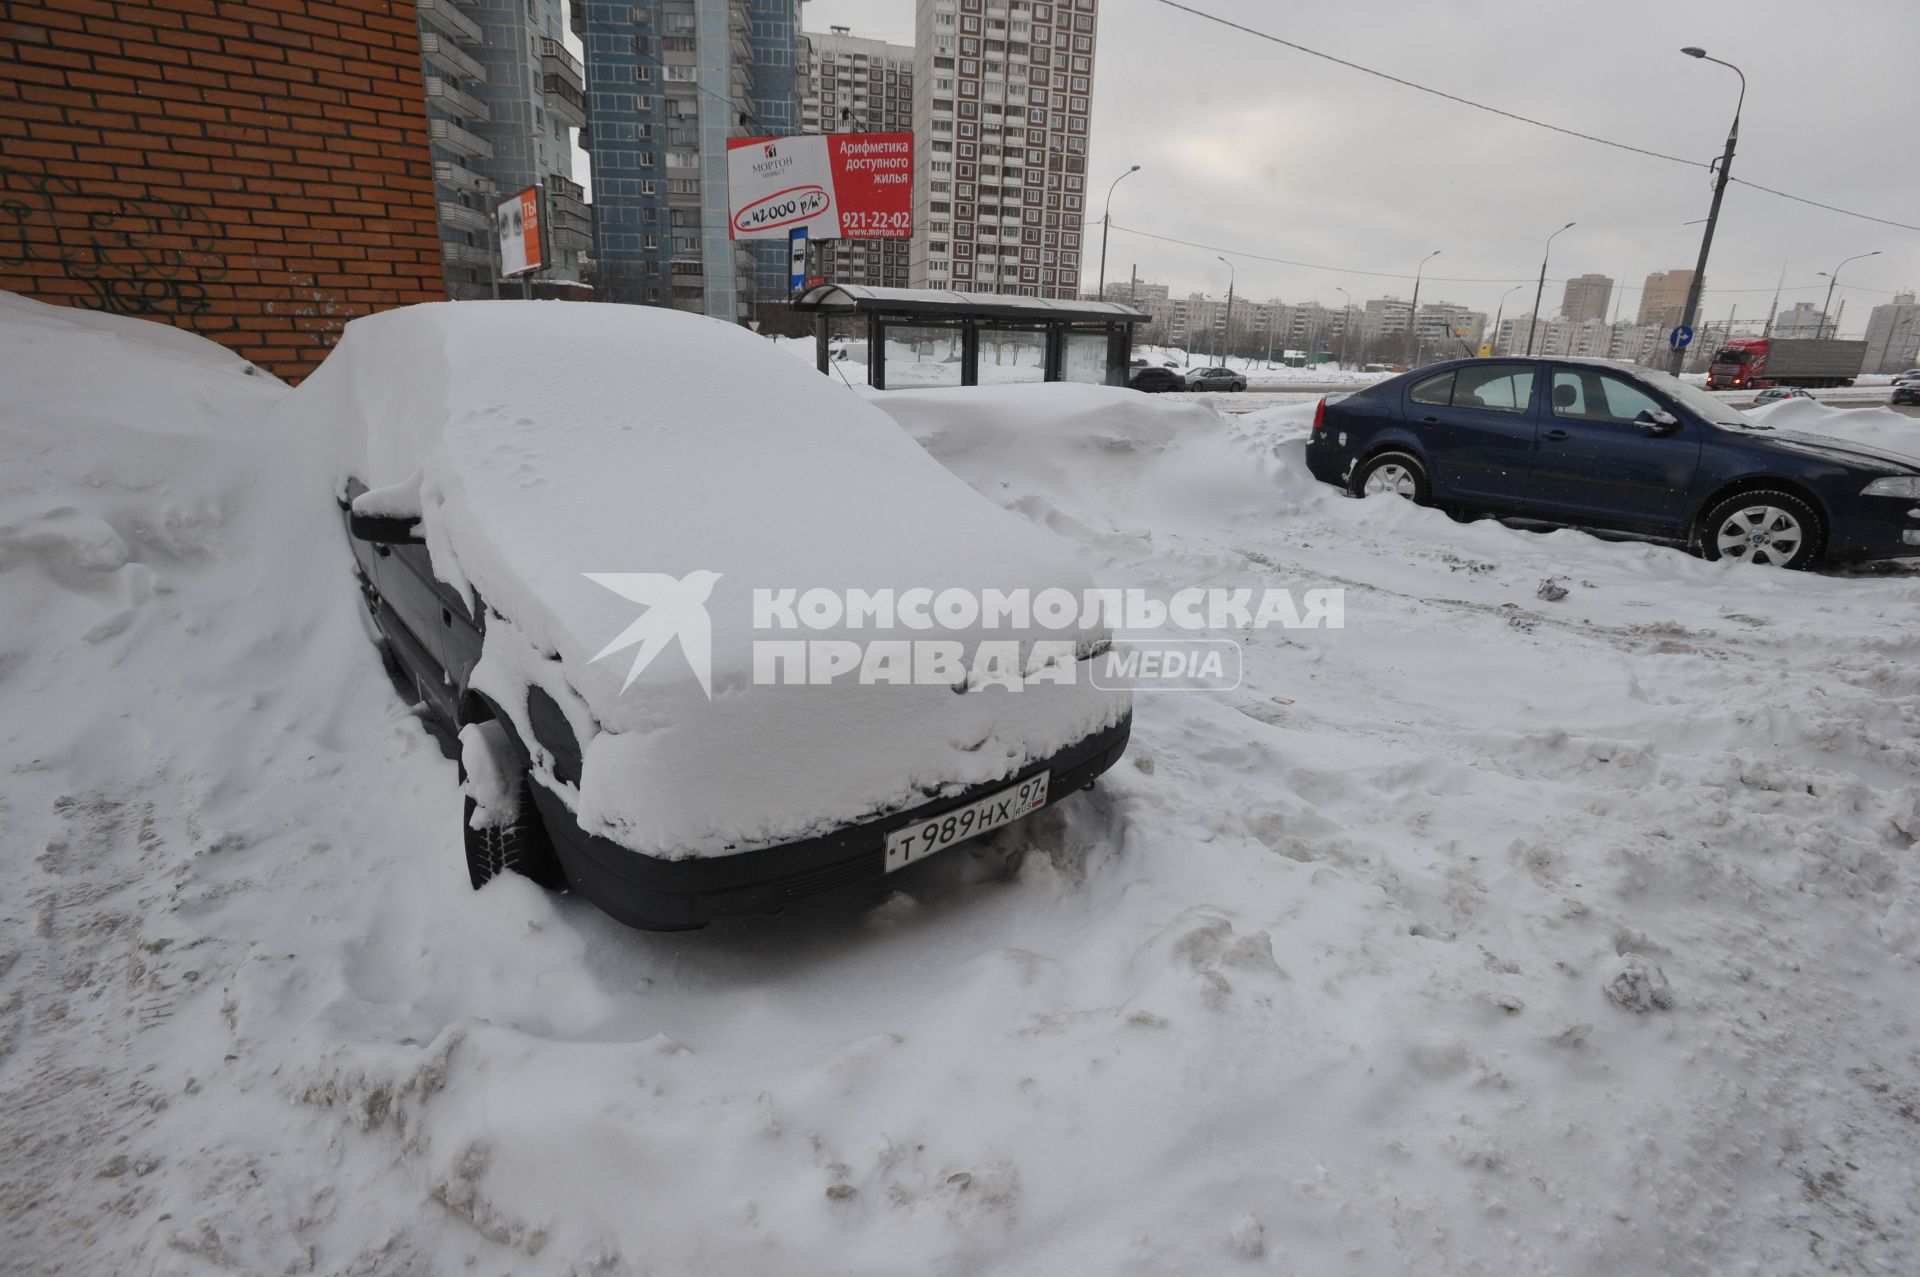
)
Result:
{"points": [[915, 842]]}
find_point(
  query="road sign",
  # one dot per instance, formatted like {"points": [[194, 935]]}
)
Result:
{"points": [[797, 254], [1680, 337]]}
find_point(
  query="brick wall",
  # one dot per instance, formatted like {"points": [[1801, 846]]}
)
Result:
{"points": [[253, 170]]}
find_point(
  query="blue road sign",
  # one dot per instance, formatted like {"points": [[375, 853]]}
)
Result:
{"points": [[1680, 338], [797, 252]]}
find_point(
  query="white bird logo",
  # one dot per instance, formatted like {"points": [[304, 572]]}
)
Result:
{"points": [[676, 608]]}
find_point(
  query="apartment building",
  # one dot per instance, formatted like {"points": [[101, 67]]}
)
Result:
{"points": [[1001, 109], [1586, 297], [1893, 335], [1802, 319], [1663, 298], [503, 96], [856, 85], [668, 82]]}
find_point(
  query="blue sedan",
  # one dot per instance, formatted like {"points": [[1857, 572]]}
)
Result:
{"points": [[1592, 444]]}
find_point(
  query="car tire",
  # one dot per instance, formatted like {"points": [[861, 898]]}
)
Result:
{"points": [[509, 836], [1399, 472], [1750, 527]]}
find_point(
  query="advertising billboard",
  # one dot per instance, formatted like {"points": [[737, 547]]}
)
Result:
{"points": [[837, 186], [518, 219]]}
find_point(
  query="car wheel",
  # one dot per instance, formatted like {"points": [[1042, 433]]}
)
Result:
{"points": [[1396, 472], [500, 827], [1768, 528]]}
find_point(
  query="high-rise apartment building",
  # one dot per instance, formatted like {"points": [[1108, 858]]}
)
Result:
{"points": [[1586, 297], [1663, 299], [1893, 335], [503, 94], [857, 85], [668, 82], [1001, 94]]}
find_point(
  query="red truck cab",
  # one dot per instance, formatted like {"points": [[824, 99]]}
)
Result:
{"points": [[1739, 364]]}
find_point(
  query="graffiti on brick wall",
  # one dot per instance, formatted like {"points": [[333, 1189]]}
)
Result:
{"points": [[157, 259]]}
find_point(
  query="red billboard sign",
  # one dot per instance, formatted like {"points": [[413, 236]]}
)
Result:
{"points": [[838, 186]]}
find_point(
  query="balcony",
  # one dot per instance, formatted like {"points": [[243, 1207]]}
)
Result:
{"points": [[456, 254], [459, 177], [442, 15], [450, 136], [453, 101], [462, 218], [556, 61], [565, 102], [450, 57]]}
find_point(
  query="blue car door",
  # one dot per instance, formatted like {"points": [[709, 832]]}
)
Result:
{"points": [[1477, 421], [1600, 462]]}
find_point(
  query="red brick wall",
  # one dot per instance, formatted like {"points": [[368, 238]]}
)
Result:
{"points": [[253, 170]]}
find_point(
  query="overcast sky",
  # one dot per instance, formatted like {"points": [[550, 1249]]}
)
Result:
{"points": [[1256, 148]]}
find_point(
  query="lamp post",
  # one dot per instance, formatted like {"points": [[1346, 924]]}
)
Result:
{"points": [[1832, 279], [1229, 324], [1105, 218], [1679, 357], [1500, 310], [1413, 316], [1346, 322], [1540, 288]]}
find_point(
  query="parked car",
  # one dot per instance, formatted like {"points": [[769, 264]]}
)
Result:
{"points": [[1907, 392], [1773, 394], [1155, 380], [1223, 379], [485, 507], [1587, 443]]}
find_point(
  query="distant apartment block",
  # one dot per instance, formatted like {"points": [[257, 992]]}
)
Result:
{"points": [[857, 85], [668, 82], [1802, 319], [1586, 297], [1001, 108], [503, 95], [1663, 298], [1893, 335]]}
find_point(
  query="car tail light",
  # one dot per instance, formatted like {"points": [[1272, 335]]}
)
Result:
{"points": [[1320, 415]]}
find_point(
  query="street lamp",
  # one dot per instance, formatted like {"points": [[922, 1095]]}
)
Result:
{"points": [[1679, 357], [1540, 289], [1229, 323], [1104, 219], [1413, 318], [1833, 279], [1500, 310], [1346, 322]]}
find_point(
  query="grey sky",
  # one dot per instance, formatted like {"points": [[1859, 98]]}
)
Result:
{"points": [[1254, 147]]}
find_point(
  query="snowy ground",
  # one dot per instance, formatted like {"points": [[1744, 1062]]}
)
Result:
{"points": [[1489, 934]]}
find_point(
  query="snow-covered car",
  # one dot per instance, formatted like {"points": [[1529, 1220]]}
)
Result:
{"points": [[598, 543]]}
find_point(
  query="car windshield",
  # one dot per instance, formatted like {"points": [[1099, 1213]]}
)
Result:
{"points": [[1727, 356], [1698, 401]]}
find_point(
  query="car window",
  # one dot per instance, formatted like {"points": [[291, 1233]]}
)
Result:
{"points": [[1584, 394], [1434, 390], [1507, 387]]}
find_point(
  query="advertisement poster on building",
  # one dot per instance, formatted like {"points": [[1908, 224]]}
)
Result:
{"points": [[837, 186], [518, 221]]}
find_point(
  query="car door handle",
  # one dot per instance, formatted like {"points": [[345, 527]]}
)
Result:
{"points": [[1429, 421], [1555, 435]]}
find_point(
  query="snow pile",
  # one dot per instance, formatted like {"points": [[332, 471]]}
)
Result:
{"points": [[541, 450], [1875, 427], [1504, 930]]}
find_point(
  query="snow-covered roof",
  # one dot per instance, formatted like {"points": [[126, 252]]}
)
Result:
{"points": [[862, 297]]}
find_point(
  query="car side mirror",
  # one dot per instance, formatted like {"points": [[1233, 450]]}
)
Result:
{"points": [[1657, 423], [386, 529]]}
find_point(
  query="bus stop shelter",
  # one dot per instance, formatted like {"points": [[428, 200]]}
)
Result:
{"points": [[932, 337]]}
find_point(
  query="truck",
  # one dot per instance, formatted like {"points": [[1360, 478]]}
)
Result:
{"points": [[1755, 363]]}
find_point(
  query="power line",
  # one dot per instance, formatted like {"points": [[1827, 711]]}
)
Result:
{"points": [[1451, 97], [1523, 119]]}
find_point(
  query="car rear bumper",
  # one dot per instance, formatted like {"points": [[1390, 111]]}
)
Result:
{"points": [[671, 895]]}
